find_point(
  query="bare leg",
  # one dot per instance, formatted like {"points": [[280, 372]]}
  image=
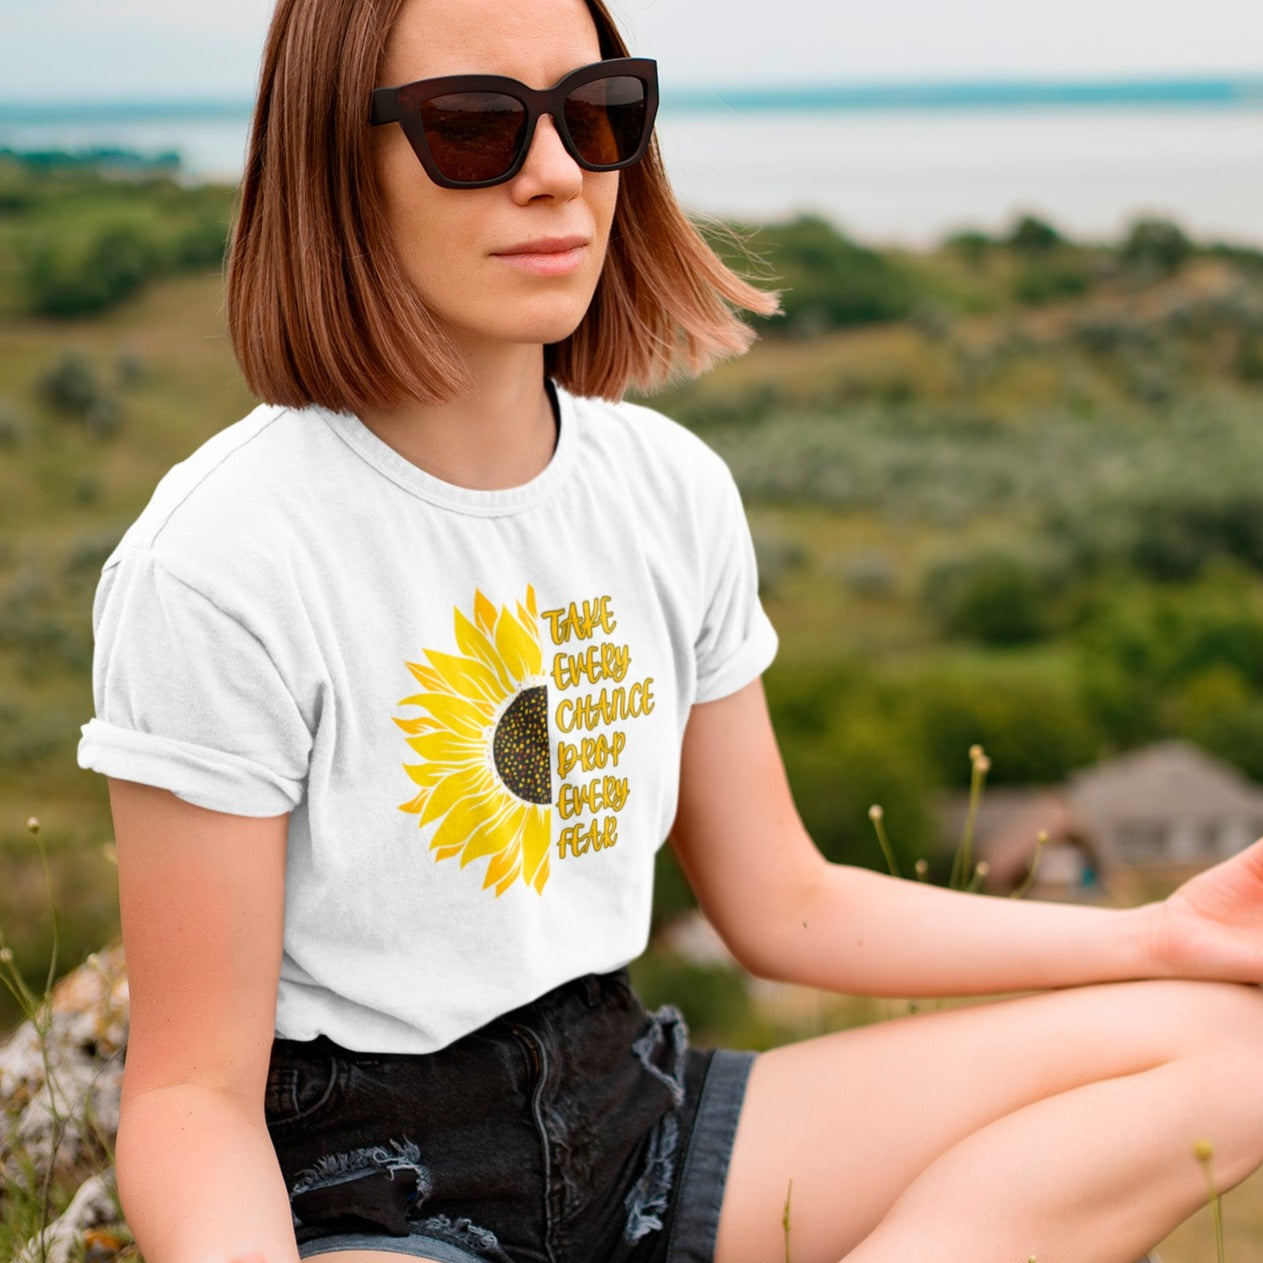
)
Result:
{"points": [[367, 1256], [1060, 1126]]}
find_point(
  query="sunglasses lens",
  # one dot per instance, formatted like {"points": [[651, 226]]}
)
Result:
{"points": [[473, 136], [606, 119]]}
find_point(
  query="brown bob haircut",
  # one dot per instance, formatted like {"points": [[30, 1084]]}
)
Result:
{"points": [[320, 309]]}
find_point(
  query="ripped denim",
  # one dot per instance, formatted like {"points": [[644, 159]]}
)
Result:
{"points": [[555, 1134]]}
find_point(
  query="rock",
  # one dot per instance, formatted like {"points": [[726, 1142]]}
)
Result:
{"points": [[60, 1081], [95, 1203]]}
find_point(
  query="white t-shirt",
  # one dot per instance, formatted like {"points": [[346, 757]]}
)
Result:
{"points": [[471, 703]]}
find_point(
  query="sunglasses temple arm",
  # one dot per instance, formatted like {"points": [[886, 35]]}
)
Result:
{"points": [[385, 106]]}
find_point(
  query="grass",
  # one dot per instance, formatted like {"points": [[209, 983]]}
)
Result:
{"points": [[867, 457]]}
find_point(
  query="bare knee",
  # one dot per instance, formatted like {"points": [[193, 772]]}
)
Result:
{"points": [[1213, 1015], [1221, 1040]]}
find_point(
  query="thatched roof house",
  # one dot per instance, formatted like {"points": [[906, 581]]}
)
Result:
{"points": [[1129, 826]]}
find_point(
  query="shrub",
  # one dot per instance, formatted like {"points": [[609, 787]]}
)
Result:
{"points": [[863, 757], [1235, 734], [869, 575], [994, 597], [1031, 235], [1102, 334], [1033, 724], [72, 389], [672, 894], [972, 247], [70, 386], [1051, 276], [89, 552], [1140, 644], [12, 427], [713, 998], [64, 281], [1156, 245], [829, 280], [1170, 529], [1249, 361], [778, 555], [1150, 378], [130, 370], [847, 745]]}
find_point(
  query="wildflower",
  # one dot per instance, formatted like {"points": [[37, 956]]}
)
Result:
{"points": [[1203, 1151], [33, 824], [6, 955], [877, 815], [975, 753]]}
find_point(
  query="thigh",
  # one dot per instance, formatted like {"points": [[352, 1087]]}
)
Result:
{"points": [[853, 1117], [360, 1249], [367, 1256]]}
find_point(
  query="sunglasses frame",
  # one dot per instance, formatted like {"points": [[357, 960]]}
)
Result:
{"points": [[402, 105]]}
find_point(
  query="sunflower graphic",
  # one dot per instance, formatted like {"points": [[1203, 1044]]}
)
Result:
{"points": [[483, 740]]}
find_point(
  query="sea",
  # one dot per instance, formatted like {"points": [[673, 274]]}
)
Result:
{"points": [[895, 164]]}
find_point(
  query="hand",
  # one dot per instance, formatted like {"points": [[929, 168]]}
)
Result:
{"points": [[1212, 926]]}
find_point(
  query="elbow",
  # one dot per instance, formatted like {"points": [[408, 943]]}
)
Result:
{"points": [[771, 937]]}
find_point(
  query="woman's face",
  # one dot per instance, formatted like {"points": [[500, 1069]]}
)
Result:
{"points": [[453, 242]]}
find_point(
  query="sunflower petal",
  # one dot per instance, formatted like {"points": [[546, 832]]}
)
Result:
{"points": [[414, 726], [456, 785], [504, 867], [458, 715], [475, 645], [427, 775], [441, 746], [518, 648], [467, 815], [541, 878], [536, 840], [484, 612], [467, 677], [492, 838]]}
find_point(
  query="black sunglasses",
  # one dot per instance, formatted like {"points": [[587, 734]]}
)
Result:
{"points": [[473, 131]]}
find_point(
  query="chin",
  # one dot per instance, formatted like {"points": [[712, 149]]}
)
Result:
{"points": [[540, 327]]}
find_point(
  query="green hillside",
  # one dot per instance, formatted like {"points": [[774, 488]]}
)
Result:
{"points": [[1004, 491]]}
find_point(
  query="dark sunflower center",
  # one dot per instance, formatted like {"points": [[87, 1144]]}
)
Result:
{"points": [[521, 749]]}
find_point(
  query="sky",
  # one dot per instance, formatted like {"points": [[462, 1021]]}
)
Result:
{"points": [[142, 49]]}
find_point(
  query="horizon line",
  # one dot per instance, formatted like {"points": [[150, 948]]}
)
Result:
{"points": [[1134, 89]]}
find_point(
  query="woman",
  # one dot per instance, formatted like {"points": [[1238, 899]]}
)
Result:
{"points": [[402, 680]]}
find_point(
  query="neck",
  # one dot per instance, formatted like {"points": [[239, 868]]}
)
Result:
{"points": [[500, 434]]}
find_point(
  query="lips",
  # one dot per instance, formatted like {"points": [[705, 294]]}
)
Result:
{"points": [[546, 257], [545, 245]]}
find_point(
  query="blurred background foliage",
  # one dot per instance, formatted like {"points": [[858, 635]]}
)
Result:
{"points": [[1003, 491]]}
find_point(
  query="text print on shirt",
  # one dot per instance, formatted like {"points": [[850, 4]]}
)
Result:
{"points": [[487, 770]]}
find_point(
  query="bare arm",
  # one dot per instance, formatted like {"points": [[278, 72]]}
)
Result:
{"points": [[202, 901], [787, 913]]}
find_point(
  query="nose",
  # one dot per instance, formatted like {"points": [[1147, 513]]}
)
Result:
{"points": [[549, 169]]}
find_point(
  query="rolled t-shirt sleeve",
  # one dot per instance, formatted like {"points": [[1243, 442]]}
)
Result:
{"points": [[737, 642], [188, 699]]}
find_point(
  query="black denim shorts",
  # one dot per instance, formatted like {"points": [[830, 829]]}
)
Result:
{"points": [[576, 1129]]}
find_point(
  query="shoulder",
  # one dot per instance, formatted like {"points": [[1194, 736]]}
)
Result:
{"points": [[225, 508], [643, 442]]}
